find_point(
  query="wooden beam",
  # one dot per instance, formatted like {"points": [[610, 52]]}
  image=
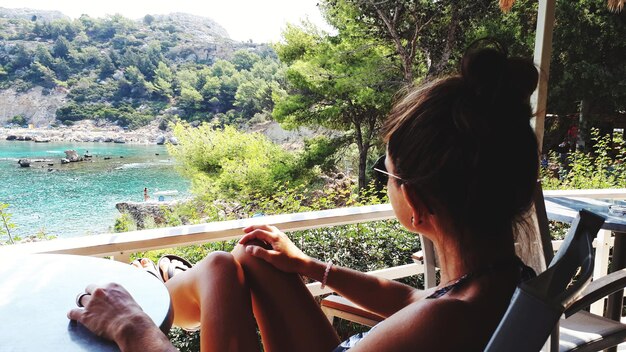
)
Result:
{"points": [[543, 53]]}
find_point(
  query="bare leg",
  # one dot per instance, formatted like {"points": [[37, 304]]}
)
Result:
{"points": [[288, 316], [214, 294]]}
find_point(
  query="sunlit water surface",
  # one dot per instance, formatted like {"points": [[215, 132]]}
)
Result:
{"points": [[79, 198]]}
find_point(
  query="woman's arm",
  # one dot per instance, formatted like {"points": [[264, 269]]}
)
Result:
{"points": [[381, 296]]}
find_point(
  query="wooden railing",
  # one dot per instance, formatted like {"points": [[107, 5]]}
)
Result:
{"points": [[119, 246]]}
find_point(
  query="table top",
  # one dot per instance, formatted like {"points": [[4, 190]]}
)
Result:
{"points": [[565, 209], [37, 291]]}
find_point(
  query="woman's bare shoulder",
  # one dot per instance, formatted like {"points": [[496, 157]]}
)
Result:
{"points": [[444, 324]]}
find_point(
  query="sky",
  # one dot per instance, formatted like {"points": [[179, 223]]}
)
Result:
{"points": [[259, 20]]}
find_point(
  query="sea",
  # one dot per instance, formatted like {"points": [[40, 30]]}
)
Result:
{"points": [[76, 199]]}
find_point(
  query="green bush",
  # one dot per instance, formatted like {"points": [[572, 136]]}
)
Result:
{"points": [[603, 167], [18, 120], [124, 223], [229, 164]]}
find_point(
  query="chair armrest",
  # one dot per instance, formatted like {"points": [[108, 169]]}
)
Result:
{"points": [[598, 289]]}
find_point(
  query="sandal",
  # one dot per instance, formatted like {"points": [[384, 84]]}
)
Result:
{"points": [[182, 265], [150, 268]]}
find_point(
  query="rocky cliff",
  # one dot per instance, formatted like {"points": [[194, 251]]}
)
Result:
{"points": [[37, 104]]}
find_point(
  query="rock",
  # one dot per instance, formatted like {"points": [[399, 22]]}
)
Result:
{"points": [[140, 211], [120, 140], [72, 156], [24, 162], [11, 137], [28, 138], [173, 140], [107, 158], [160, 140], [65, 161], [108, 139], [41, 140], [51, 164]]}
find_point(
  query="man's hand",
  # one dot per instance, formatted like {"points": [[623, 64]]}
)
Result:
{"points": [[111, 312]]}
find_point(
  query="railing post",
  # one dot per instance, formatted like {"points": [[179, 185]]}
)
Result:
{"points": [[601, 265], [123, 257], [428, 253]]}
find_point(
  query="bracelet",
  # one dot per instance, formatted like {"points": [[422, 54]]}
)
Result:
{"points": [[328, 265]]}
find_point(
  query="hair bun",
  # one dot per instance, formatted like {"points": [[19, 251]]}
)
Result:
{"points": [[493, 77], [522, 77]]}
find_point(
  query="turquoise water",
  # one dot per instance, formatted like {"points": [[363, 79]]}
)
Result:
{"points": [[79, 198]]}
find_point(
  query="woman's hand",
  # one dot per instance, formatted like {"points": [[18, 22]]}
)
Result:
{"points": [[283, 255]]}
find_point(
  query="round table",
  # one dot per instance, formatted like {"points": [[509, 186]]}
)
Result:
{"points": [[37, 291]]}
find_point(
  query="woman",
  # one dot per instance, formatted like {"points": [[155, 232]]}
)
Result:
{"points": [[448, 178]]}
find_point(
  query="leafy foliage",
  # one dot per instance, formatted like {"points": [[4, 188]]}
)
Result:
{"points": [[340, 82], [603, 167], [228, 164], [114, 62], [7, 225]]}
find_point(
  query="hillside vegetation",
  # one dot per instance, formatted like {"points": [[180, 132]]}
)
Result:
{"points": [[132, 72]]}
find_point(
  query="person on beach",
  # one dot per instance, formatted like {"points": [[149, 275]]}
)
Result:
{"points": [[443, 171], [145, 194]]}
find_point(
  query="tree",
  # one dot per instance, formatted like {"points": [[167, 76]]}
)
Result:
{"points": [[587, 74], [43, 56], [20, 57], [256, 91], [148, 19], [43, 75], [244, 60], [190, 98], [424, 34], [340, 82], [106, 66], [163, 77], [137, 82], [61, 47]]}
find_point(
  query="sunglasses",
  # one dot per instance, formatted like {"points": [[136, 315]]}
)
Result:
{"points": [[381, 177]]}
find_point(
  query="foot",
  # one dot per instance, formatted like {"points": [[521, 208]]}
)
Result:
{"points": [[171, 265], [147, 265]]}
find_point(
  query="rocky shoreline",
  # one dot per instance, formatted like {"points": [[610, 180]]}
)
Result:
{"points": [[89, 131]]}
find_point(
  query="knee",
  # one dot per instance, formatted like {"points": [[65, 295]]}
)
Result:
{"points": [[245, 259], [220, 261]]}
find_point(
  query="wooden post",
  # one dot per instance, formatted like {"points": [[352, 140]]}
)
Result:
{"points": [[543, 53], [534, 248]]}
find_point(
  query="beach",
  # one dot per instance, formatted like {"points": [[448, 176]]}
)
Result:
{"points": [[88, 131]]}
